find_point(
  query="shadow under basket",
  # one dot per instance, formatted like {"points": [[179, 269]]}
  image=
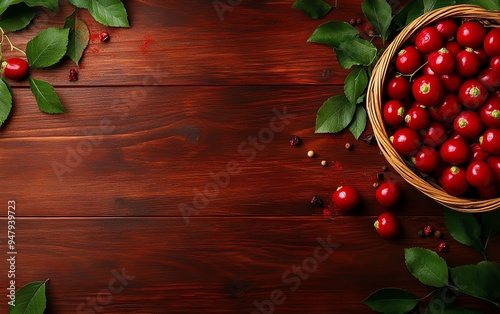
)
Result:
{"points": [[374, 105]]}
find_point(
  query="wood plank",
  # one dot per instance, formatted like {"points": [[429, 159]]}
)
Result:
{"points": [[221, 265]]}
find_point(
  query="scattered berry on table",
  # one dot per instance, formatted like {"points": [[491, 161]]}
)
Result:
{"points": [[73, 75], [310, 154], [428, 230], [104, 36], [324, 163], [295, 141], [317, 201], [349, 146], [443, 247], [438, 234]]}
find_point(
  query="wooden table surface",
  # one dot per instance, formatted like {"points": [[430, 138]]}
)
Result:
{"points": [[170, 185]]}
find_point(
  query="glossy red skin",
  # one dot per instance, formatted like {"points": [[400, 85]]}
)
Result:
{"points": [[406, 141], [398, 88], [408, 60], [484, 59], [473, 94], [453, 180], [426, 160], [490, 78], [387, 225], [394, 112], [15, 69], [427, 70], [477, 153], [479, 174], [447, 28], [442, 61], [471, 34], [447, 109], [496, 94], [492, 42], [428, 40], [388, 194], [417, 118], [455, 152], [467, 63], [454, 47], [428, 90], [490, 113], [468, 124], [434, 135], [455, 136], [452, 82], [489, 191], [345, 198], [490, 141], [494, 162], [495, 63]]}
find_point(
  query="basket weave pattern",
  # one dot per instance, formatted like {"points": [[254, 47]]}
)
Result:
{"points": [[375, 103]]}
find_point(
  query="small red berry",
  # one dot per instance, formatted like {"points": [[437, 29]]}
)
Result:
{"points": [[443, 247], [73, 75], [428, 230], [103, 36]]}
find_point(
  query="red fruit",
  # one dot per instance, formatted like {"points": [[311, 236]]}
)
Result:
{"points": [[467, 63], [454, 47], [15, 68], [477, 153], [496, 94], [472, 94], [453, 180], [428, 90], [484, 59], [406, 141], [442, 61], [468, 124], [426, 159], [479, 174], [417, 118], [492, 42], [447, 109], [428, 40], [398, 88], [490, 78], [387, 225], [394, 112], [455, 152], [490, 141], [345, 198], [388, 194], [490, 113], [427, 70], [471, 34], [452, 82], [495, 63], [494, 162], [408, 60], [447, 28], [434, 135]]}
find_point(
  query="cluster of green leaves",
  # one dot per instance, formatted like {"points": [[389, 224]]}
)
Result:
{"points": [[479, 280], [50, 46], [30, 299], [359, 54]]}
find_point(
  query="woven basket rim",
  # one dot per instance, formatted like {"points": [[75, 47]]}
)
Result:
{"points": [[374, 108]]}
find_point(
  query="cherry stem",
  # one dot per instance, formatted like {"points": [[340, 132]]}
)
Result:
{"points": [[12, 47], [416, 71]]}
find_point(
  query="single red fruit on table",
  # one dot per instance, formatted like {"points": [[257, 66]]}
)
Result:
{"points": [[490, 113], [417, 118], [406, 141], [490, 78], [429, 39], [398, 88], [494, 162], [455, 151], [442, 61], [468, 124], [453, 180], [394, 112], [472, 94], [387, 225], [452, 82], [408, 60], [434, 134], [471, 34], [492, 42], [447, 109], [388, 194], [467, 63], [15, 68], [490, 141], [479, 174], [426, 160], [345, 198], [447, 27], [428, 90]]}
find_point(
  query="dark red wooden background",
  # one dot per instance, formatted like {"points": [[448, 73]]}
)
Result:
{"points": [[159, 114]]}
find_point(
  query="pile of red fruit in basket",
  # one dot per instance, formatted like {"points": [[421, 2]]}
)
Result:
{"points": [[443, 106]]}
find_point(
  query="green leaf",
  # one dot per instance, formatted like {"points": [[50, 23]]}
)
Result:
{"points": [[427, 266], [464, 228], [335, 115], [409, 12], [109, 12], [30, 299], [46, 97], [480, 280], [430, 5], [50, 4], [314, 9], [333, 33], [48, 47], [356, 51], [358, 124], [17, 17], [355, 84], [442, 300], [83, 4], [379, 14], [462, 311], [490, 223], [79, 36], [4, 4], [5, 101], [391, 301], [492, 5]]}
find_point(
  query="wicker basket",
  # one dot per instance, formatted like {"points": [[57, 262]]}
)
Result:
{"points": [[375, 102]]}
